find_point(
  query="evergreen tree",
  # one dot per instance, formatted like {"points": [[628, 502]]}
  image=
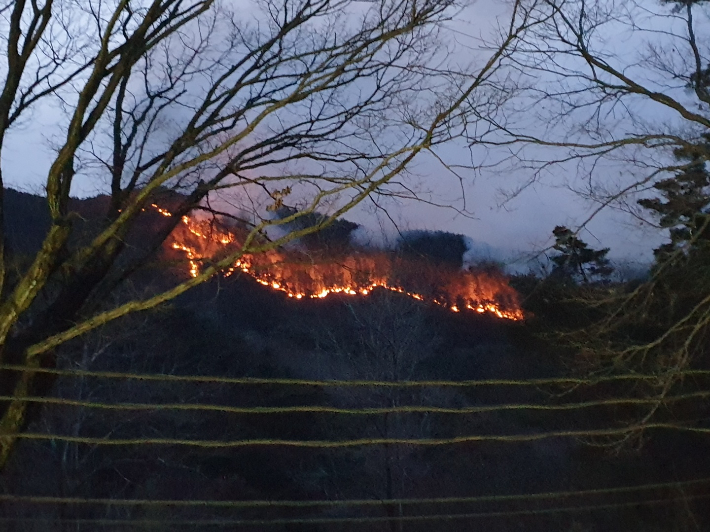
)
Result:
{"points": [[436, 246], [684, 205], [576, 261]]}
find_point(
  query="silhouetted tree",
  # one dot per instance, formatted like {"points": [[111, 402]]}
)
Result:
{"points": [[576, 260], [193, 98], [332, 236], [684, 205], [601, 102], [436, 246]]}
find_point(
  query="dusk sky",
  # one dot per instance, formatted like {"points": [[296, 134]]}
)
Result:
{"points": [[522, 225], [375, 265]]}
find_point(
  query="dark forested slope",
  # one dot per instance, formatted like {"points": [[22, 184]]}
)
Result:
{"points": [[236, 328]]}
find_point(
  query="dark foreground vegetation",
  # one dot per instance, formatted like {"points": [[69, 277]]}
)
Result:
{"points": [[119, 452]]}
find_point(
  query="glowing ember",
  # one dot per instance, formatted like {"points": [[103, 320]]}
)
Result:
{"points": [[161, 211], [357, 274]]}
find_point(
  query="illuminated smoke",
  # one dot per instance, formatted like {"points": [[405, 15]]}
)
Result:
{"points": [[300, 275]]}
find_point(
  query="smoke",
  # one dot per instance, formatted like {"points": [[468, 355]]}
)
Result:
{"points": [[437, 246], [475, 253], [276, 232], [364, 237], [420, 267], [510, 261], [479, 252]]}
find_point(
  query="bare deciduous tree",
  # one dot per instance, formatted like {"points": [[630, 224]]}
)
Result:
{"points": [[387, 339], [319, 103], [611, 93]]}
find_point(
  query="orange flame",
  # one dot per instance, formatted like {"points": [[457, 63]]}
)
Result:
{"points": [[356, 274]]}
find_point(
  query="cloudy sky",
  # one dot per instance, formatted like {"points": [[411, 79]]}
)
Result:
{"points": [[523, 224]]}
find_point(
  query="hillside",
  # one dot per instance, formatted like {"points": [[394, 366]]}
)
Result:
{"points": [[237, 328]]}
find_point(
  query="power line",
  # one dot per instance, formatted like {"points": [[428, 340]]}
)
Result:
{"points": [[34, 499], [314, 409], [353, 520], [325, 444], [349, 383]]}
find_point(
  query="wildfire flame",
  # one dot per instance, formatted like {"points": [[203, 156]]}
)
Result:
{"points": [[300, 277]]}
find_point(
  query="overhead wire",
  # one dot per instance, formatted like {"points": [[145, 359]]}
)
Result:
{"points": [[403, 409], [352, 520], [353, 382], [350, 443], [360, 442], [36, 499]]}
